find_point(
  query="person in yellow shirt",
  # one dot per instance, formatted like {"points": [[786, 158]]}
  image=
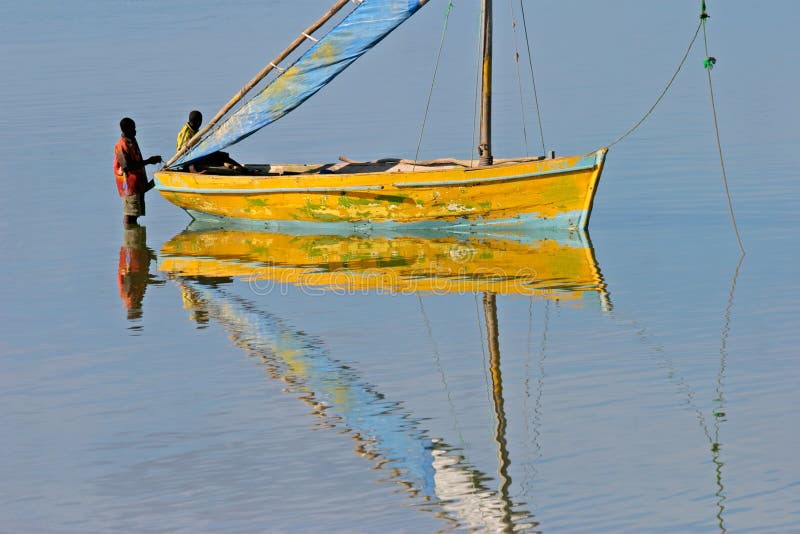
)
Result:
{"points": [[215, 159], [189, 129]]}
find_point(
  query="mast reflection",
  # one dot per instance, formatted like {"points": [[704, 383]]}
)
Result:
{"points": [[493, 339]]}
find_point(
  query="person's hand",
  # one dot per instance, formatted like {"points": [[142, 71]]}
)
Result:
{"points": [[153, 159]]}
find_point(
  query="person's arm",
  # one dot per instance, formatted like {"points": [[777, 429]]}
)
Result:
{"points": [[126, 166]]}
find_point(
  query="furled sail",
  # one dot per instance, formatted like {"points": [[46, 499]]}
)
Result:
{"points": [[362, 29]]}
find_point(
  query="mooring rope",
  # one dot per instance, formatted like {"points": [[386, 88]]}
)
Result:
{"points": [[663, 93], [709, 63], [433, 81]]}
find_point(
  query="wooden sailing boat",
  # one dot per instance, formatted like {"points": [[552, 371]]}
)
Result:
{"points": [[540, 191]]}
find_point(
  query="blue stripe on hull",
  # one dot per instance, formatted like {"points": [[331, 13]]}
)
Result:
{"points": [[566, 221]]}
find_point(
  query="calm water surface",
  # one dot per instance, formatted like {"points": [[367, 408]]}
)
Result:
{"points": [[640, 379]]}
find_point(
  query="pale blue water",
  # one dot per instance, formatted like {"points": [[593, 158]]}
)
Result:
{"points": [[164, 423]]}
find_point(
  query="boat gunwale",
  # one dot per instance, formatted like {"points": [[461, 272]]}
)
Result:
{"points": [[596, 160]]}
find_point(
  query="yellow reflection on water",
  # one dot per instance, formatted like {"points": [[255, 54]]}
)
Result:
{"points": [[551, 265]]}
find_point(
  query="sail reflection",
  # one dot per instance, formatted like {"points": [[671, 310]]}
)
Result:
{"points": [[437, 475], [384, 433]]}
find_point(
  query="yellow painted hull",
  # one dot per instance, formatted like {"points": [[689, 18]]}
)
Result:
{"points": [[562, 266], [556, 192]]}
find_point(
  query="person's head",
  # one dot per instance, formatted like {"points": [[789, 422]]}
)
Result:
{"points": [[195, 119], [128, 127]]}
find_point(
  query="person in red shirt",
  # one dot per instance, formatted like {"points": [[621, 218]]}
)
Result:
{"points": [[129, 171]]}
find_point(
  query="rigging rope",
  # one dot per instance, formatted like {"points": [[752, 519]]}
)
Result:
{"points": [[533, 78], [709, 63], [433, 81], [519, 77], [477, 70]]}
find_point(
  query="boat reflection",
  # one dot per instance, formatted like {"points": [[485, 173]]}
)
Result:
{"points": [[554, 264], [428, 467]]}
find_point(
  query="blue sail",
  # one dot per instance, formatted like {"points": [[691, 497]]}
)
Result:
{"points": [[362, 29]]}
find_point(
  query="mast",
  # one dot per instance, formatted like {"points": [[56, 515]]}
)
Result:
{"points": [[485, 144]]}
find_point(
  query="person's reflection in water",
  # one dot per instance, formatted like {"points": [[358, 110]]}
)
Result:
{"points": [[133, 274]]}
